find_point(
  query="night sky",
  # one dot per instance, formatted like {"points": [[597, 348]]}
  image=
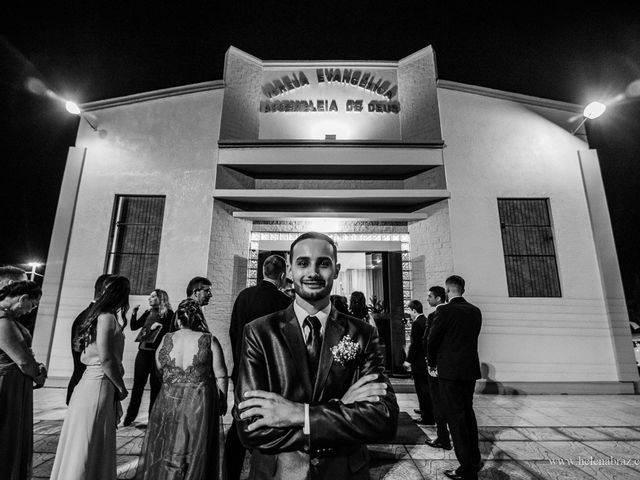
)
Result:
{"points": [[95, 50]]}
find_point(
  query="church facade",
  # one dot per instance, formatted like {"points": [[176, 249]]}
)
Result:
{"points": [[416, 178]]}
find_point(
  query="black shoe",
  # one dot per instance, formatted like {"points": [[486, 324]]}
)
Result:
{"points": [[456, 476], [417, 411], [422, 421], [128, 421], [438, 444]]}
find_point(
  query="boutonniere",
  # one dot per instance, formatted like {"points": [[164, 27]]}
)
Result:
{"points": [[345, 350]]}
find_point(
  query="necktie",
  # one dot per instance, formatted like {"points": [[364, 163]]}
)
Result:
{"points": [[313, 343]]}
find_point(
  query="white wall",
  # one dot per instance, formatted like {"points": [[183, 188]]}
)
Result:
{"points": [[165, 146], [500, 148]]}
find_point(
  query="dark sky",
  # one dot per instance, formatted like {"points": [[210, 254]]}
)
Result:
{"points": [[95, 50]]}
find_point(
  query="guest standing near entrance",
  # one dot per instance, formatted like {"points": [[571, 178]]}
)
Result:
{"points": [[78, 366], [452, 355], [253, 302], [18, 372], [436, 297], [182, 440], [155, 323], [358, 306], [416, 358], [87, 446]]}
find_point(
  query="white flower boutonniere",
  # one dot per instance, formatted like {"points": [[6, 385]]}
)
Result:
{"points": [[345, 351]]}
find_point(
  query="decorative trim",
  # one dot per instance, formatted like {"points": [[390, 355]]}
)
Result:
{"points": [[514, 97], [540, 388], [328, 143], [154, 95]]}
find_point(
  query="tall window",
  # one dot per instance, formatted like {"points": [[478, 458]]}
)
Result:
{"points": [[529, 253], [134, 240]]}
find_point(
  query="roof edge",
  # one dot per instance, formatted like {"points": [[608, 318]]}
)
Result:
{"points": [[516, 97], [153, 95]]}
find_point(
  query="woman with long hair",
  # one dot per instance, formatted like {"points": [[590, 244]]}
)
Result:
{"points": [[18, 372], [87, 446], [155, 323], [182, 439], [358, 306]]}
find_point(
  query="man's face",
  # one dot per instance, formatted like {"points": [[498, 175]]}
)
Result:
{"points": [[432, 299], [202, 295], [413, 314], [313, 269]]}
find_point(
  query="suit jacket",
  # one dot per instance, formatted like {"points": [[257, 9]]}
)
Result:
{"points": [[74, 328], [416, 356], [452, 345], [274, 358], [251, 303]]}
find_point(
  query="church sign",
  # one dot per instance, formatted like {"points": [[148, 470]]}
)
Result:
{"points": [[278, 89]]}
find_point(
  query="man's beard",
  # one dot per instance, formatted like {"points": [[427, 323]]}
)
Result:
{"points": [[312, 296]]}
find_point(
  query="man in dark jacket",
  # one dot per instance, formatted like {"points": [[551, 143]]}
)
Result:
{"points": [[416, 357], [452, 355], [252, 303]]}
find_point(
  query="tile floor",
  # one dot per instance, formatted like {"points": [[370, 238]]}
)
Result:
{"points": [[521, 437]]}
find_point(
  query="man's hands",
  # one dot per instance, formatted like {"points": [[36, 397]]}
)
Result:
{"points": [[272, 409], [433, 372], [122, 393], [365, 390]]}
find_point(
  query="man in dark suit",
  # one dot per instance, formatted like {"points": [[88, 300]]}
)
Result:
{"points": [[252, 303], [311, 390], [78, 366], [416, 358], [452, 355], [436, 297]]}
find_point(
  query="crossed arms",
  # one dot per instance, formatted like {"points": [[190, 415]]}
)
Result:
{"points": [[366, 412]]}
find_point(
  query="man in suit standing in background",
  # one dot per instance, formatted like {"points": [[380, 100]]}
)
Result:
{"points": [[416, 357], [436, 297], [78, 366], [452, 355], [253, 302]]}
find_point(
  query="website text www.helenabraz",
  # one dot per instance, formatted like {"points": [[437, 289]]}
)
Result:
{"points": [[595, 461]]}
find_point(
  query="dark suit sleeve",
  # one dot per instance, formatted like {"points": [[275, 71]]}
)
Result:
{"points": [[334, 424], [436, 334], [252, 375], [416, 339]]}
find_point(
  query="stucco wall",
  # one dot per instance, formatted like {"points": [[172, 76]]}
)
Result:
{"points": [[499, 148], [166, 147]]}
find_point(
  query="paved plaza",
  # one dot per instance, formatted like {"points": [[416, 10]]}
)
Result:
{"points": [[521, 437]]}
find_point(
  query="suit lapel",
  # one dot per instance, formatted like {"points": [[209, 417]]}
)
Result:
{"points": [[295, 342], [333, 331]]}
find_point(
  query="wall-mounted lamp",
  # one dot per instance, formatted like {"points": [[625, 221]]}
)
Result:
{"points": [[596, 109], [74, 109]]}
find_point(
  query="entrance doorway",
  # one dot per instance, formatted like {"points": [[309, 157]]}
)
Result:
{"points": [[378, 265]]}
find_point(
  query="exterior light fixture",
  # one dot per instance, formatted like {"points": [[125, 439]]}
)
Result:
{"points": [[594, 110], [34, 266], [72, 107]]}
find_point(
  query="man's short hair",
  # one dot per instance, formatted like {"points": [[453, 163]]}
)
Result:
{"points": [[9, 272], [438, 291], [415, 305], [457, 281], [316, 236], [101, 282], [273, 267], [196, 283]]}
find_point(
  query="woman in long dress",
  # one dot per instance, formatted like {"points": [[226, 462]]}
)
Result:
{"points": [[18, 372], [87, 446], [182, 440]]}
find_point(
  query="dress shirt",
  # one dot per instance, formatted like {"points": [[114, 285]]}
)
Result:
{"points": [[301, 314]]}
